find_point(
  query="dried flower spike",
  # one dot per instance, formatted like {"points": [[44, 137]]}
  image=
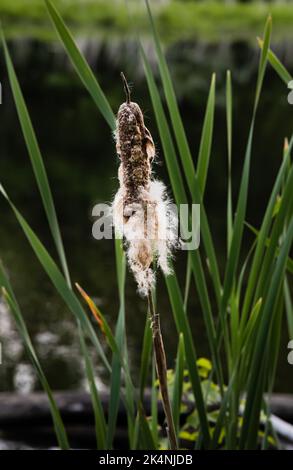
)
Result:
{"points": [[141, 209], [141, 213]]}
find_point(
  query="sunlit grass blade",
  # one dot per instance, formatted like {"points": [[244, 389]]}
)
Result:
{"points": [[37, 161], [95, 311], [57, 278], [101, 320], [100, 422], [17, 315], [178, 382], [277, 65], [206, 138], [229, 108], [84, 71]]}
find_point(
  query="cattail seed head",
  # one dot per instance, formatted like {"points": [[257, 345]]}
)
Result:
{"points": [[141, 207], [135, 148]]}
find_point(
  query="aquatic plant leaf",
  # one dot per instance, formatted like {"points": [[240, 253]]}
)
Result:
{"points": [[15, 311], [84, 71]]}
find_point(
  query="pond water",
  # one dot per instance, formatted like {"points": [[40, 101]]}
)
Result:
{"points": [[79, 154]]}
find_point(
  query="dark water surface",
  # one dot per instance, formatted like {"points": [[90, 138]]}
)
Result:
{"points": [[79, 154]]}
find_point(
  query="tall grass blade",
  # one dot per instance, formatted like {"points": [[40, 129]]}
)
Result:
{"points": [[100, 422], [238, 226], [183, 327], [154, 405], [178, 127], [120, 339], [180, 197], [206, 139], [263, 60], [146, 439], [289, 307], [276, 64], [84, 71], [229, 108], [262, 237], [289, 265], [115, 347], [178, 383], [18, 317], [37, 161], [187, 282], [185, 155], [251, 414], [145, 357], [285, 210], [57, 278], [115, 381]]}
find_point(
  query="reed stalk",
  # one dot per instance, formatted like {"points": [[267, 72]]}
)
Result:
{"points": [[161, 368]]}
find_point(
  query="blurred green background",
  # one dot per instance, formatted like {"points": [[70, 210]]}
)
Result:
{"points": [[200, 37]]}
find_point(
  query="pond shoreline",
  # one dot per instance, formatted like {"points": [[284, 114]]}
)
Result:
{"points": [[29, 416]]}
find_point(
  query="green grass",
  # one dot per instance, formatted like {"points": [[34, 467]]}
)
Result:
{"points": [[243, 310], [177, 19]]}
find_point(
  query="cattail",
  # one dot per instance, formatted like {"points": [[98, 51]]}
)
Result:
{"points": [[142, 215], [141, 209]]}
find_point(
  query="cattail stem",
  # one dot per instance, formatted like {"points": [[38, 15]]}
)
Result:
{"points": [[126, 87], [161, 367]]}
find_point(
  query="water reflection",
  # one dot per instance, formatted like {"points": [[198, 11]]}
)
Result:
{"points": [[54, 354], [10, 445], [24, 378], [12, 347]]}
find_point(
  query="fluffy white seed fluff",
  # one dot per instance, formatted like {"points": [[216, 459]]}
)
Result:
{"points": [[149, 228]]}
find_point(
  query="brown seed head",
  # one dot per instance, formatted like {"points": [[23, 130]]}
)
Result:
{"points": [[135, 148]]}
